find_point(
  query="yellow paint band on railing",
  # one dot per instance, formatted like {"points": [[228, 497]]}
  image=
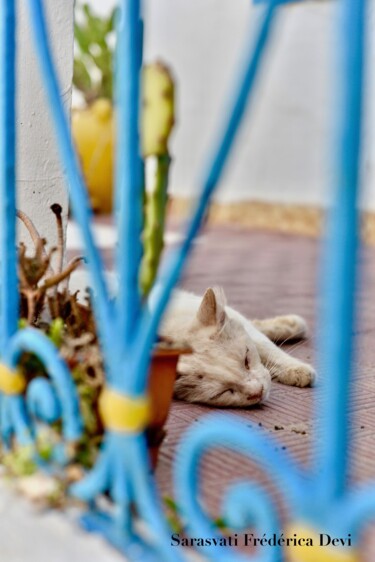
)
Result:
{"points": [[317, 553], [123, 413], [11, 382]]}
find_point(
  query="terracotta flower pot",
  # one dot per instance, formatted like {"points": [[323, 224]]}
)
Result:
{"points": [[163, 373]]}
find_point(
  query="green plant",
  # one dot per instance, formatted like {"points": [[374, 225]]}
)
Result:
{"points": [[93, 77], [93, 61], [158, 118], [20, 461]]}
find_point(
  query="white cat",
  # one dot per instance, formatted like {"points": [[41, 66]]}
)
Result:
{"points": [[234, 358]]}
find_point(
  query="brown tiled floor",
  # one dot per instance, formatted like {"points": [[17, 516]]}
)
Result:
{"points": [[266, 274]]}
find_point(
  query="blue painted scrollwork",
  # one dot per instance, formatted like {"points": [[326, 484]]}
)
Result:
{"points": [[245, 505], [53, 399]]}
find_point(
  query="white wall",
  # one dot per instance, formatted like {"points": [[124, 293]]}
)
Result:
{"points": [[285, 147], [40, 179]]}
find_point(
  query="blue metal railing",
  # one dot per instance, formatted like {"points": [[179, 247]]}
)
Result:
{"points": [[127, 329]]}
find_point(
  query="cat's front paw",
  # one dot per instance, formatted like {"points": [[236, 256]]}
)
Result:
{"points": [[298, 375], [296, 326]]}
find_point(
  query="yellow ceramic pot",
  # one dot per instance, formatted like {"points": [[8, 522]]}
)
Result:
{"points": [[93, 133]]}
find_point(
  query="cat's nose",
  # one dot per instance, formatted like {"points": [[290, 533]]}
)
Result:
{"points": [[256, 395], [259, 395]]}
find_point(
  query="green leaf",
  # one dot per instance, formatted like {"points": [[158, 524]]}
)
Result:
{"points": [[111, 22], [81, 77], [56, 330], [82, 38], [169, 502], [220, 524]]}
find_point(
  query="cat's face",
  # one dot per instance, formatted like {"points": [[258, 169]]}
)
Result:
{"points": [[225, 368]]}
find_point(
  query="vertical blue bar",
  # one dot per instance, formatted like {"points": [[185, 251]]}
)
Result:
{"points": [[340, 266], [8, 252], [128, 171]]}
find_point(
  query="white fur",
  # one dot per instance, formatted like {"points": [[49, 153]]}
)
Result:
{"points": [[215, 373], [233, 361]]}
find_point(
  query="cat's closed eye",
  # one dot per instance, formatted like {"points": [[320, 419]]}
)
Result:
{"points": [[247, 361]]}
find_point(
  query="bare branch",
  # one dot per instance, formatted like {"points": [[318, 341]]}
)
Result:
{"points": [[57, 211], [34, 234], [56, 279]]}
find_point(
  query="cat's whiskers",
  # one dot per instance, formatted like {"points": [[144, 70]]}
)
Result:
{"points": [[270, 366], [294, 346]]}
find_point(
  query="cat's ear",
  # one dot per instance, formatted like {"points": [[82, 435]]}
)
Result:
{"points": [[212, 309]]}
